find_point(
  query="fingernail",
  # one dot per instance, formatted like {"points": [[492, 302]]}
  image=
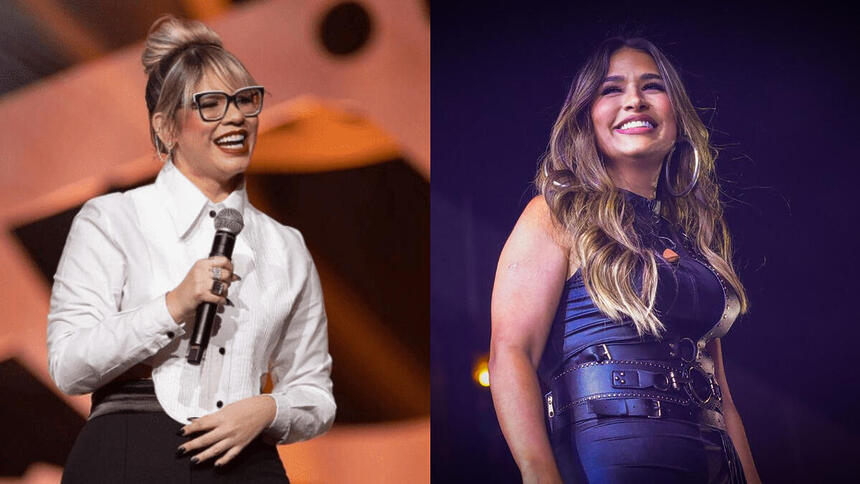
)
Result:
{"points": [[192, 418], [238, 277], [180, 452], [181, 432], [229, 302], [195, 460]]}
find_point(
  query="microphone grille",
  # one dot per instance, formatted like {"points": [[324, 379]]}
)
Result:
{"points": [[229, 220]]}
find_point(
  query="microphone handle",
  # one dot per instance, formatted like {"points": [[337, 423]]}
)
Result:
{"points": [[205, 315]]}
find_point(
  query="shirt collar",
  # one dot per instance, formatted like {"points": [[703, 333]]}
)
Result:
{"points": [[187, 204]]}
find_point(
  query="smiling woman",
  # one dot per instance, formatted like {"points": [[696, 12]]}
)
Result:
{"points": [[130, 285], [614, 288]]}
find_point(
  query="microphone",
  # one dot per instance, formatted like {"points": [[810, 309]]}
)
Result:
{"points": [[228, 224]]}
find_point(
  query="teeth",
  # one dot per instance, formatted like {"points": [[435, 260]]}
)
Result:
{"points": [[231, 139], [636, 124]]}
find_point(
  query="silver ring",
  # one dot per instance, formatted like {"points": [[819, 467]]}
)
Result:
{"points": [[216, 273], [218, 288]]}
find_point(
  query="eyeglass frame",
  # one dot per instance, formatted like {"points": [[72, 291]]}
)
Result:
{"points": [[195, 98]]}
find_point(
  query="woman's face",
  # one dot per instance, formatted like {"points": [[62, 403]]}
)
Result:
{"points": [[215, 150], [632, 116]]}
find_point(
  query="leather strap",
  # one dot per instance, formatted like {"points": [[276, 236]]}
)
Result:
{"points": [[619, 379], [637, 407], [643, 407], [684, 349]]}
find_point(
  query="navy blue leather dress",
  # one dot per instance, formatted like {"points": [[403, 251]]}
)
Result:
{"points": [[621, 408]]}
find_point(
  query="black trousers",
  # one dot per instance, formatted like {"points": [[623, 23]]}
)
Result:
{"points": [[141, 448]]}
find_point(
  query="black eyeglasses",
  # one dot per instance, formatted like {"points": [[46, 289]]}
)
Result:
{"points": [[212, 105]]}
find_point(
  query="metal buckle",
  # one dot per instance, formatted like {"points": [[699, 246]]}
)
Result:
{"points": [[688, 351], [690, 386], [602, 353], [658, 408], [673, 380], [715, 389], [661, 382]]}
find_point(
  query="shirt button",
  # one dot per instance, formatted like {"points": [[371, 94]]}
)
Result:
{"points": [[212, 213], [219, 404], [222, 350], [170, 334]]}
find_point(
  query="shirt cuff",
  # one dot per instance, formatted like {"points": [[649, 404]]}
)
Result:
{"points": [[161, 323], [279, 428]]}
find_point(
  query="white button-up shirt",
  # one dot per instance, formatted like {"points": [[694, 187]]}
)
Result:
{"points": [[125, 251]]}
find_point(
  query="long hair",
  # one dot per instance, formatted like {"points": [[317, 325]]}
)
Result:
{"points": [[176, 56], [597, 221]]}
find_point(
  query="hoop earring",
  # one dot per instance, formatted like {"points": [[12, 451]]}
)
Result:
{"points": [[695, 170]]}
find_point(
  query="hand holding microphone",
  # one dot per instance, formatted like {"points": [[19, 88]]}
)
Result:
{"points": [[196, 288], [207, 283]]}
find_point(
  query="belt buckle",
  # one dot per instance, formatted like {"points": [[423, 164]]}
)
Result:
{"points": [[658, 408], [690, 386], [667, 381], [715, 389], [602, 352], [688, 350]]}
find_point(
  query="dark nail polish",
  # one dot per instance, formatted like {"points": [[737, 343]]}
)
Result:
{"points": [[195, 460], [180, 452], [192, 418], [229, 302], [238, 278], [181, 433]]}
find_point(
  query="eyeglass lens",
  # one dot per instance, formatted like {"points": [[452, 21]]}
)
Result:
{"points": [[213, 106]]}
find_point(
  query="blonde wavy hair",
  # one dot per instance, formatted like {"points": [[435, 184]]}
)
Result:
{"points": [[596, 220]]}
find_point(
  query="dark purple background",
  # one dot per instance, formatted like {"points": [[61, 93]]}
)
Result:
{"points": [[786, 90]]}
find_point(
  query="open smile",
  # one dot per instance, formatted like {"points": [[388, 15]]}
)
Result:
{"points": [[639, 124], [234, 142]]}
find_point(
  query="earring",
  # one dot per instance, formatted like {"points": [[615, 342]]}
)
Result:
{"points": [[159, 149], [695, 178]]}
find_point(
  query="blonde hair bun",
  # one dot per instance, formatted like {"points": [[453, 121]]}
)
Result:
{"points": [[169, 35]]}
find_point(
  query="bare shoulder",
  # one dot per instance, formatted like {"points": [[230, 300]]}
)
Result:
{"points": [[536, 221], [532, 249]]}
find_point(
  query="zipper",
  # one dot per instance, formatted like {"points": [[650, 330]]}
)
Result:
{"points": [[549, 410]]}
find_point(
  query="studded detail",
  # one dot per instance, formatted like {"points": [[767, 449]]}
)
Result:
{"points": [[603, 396], [646, 363]]}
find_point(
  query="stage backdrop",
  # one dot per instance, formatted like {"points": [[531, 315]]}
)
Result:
{"points": [[343, 155], [777, 85]]}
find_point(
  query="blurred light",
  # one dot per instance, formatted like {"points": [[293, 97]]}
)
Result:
{"points": [[481, 371]]}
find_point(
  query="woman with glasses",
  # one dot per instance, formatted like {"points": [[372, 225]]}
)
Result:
{"points": [[134, 272], [614, 289]]}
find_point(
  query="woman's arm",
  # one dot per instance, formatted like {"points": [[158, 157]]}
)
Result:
{"points": [[734, 425], [529, 279], [90, 341], [301, 368]]}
